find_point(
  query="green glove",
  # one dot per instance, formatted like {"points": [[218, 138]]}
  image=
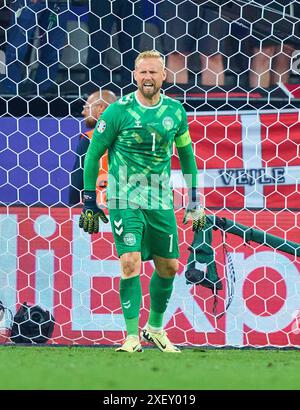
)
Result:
{"points": [[89, 218]]}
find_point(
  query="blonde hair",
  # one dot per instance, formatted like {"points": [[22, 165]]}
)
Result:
{"points": [[149, 54]]}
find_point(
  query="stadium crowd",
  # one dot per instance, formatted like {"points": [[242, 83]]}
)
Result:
{"points": [[204, 43]]}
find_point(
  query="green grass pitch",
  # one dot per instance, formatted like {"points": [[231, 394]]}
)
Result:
{"points": [[88, 368]]}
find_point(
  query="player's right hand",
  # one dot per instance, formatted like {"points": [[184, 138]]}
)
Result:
{"points": [[89, 218]]}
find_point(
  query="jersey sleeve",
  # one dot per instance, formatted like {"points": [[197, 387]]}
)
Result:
{"points": [[107, 127], [186, 154], [77, 173], [104, 135], [182, 137]]}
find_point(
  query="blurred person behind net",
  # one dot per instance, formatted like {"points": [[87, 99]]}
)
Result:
{"points": [[95, 104], [34, 23], [270, 61], [187, 30]]}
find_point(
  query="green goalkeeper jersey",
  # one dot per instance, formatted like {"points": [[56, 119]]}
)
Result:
{"points": [[140, 142]]}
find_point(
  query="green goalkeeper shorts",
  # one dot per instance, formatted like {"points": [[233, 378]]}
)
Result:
{"points": [[151, 232]]}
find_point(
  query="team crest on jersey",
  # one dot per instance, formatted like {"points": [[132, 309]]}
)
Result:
{"points": [[168, 123], [101, 126], [129, 239], [125, 100]]}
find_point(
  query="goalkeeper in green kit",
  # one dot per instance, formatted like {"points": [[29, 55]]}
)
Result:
{"points": [[139, 131]]}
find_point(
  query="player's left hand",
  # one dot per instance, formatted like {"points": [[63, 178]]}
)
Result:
{"points": [[196, 214]]}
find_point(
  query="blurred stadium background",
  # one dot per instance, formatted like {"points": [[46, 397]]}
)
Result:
{"points": [[235, 66]]}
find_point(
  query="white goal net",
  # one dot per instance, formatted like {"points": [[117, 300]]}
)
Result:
{"points": [[235, 66]]}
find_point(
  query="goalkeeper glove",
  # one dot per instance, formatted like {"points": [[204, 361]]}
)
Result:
{"points": [[89, 218], [195, 211]]}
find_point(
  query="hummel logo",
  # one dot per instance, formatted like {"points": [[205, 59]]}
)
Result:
{"points": [[118, 223], [119, 231], [138, 124], [127, 304]]}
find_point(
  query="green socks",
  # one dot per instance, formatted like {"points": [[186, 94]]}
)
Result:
{"points": [[160, 293], [131, 298]]}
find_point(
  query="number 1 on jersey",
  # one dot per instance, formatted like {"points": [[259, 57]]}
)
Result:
{"points": [[171, 243], [153, 140]]}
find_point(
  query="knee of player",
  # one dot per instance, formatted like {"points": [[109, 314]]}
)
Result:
{"points": [[171, 269], [128, 273], [130, 267]]}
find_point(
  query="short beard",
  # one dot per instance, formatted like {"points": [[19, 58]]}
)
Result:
{"points": [[148, 95]]}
